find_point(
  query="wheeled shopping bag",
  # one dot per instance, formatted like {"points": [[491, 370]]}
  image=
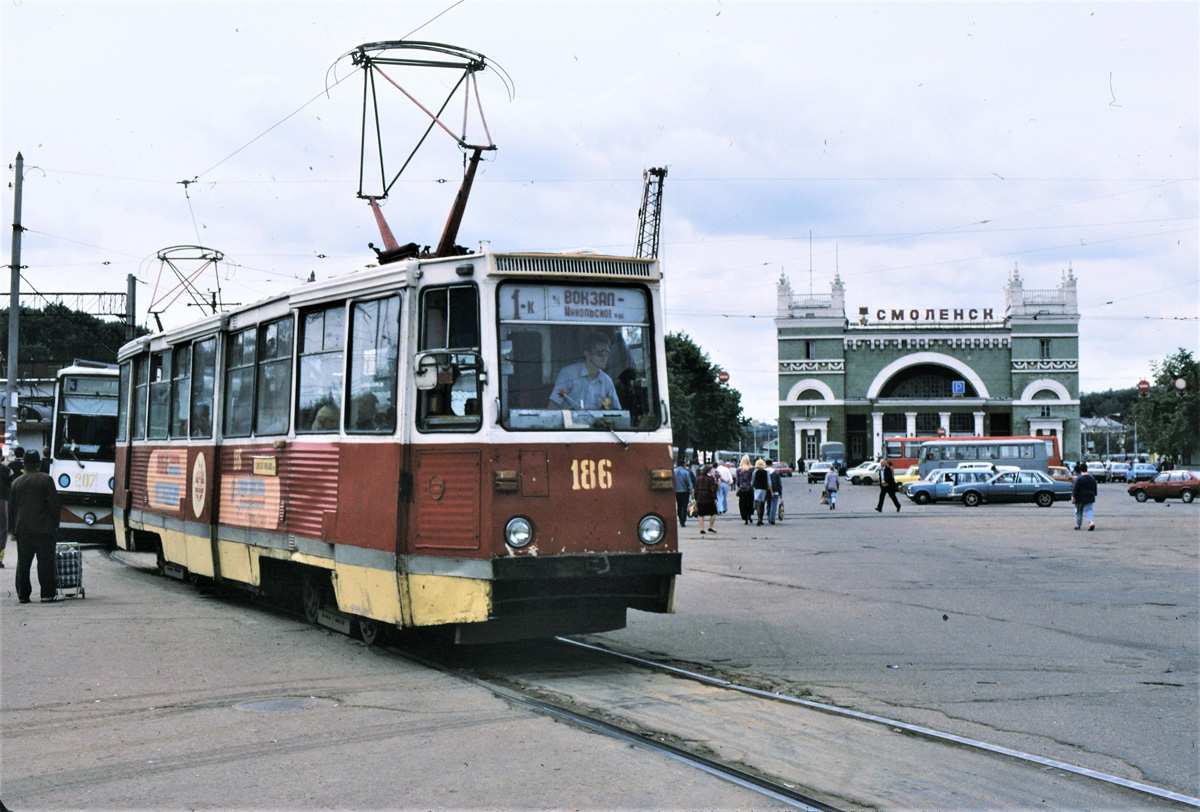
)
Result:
{"points": [[68, 565]]}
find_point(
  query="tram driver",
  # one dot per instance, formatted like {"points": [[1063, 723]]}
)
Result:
{"points": [[585, 385]]}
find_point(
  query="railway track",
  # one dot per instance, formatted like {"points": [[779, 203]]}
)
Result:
{"points": [[795, 752]]}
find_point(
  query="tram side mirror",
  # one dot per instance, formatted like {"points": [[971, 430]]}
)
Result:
{"points": [[426, 374]]}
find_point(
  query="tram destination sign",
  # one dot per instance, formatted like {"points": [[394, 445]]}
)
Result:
{"points": [[927, 314], [573, 303]]}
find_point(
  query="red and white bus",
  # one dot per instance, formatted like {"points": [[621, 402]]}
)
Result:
{"points": [[906, 451], [403, 446]]}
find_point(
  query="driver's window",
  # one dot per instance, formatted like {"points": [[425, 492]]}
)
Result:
{"points": [[449, 371]]}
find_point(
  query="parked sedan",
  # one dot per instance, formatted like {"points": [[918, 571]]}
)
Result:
{"points": [[1142, 472], [783, 468], [1183, 485], [936, 487], [1118, 472], [906, 477], [866, 473], [1014, 486], [818, 470]]}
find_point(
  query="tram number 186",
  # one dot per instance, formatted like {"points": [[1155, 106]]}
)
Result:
{"points": [[588, 474]]}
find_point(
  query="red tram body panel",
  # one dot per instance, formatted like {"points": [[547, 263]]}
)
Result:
{"points": [[418, 445]]}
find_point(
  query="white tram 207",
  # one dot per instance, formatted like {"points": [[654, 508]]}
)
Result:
{"points": [[478, 442]]}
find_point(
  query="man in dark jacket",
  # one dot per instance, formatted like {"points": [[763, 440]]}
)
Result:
{"points": [[887, 486], [1083, 496], [34, 513]]}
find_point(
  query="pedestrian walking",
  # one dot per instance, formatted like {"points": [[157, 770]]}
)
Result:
{"points": [[831, 487], [724, 483], [1083, 496], [776, 482], [762, 488], [685, 483], [34, 503], [706, 498], [6, 479], [887, 486], [744, 479]]}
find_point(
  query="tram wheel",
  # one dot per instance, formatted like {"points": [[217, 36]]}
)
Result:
{"points": [[160, 560], [311, 596], [370, 630]]}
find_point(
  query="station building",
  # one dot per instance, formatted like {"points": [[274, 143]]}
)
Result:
{"points": [[968, 370]]}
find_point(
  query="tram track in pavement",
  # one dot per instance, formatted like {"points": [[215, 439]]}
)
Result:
{"points": [[794, 751]]}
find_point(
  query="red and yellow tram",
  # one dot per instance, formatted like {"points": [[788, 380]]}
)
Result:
{"points": [[478, 441]]}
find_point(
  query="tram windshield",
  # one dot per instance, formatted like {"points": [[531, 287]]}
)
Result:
{"points": [[86, 423], [577, 357]]}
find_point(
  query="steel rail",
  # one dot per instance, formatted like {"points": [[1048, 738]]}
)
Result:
{"points": [[742, 778], [926, 732]]}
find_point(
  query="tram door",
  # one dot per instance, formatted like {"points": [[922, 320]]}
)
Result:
{"points": [[446, 454]]}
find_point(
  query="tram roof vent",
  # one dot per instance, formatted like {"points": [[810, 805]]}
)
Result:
{"points": [[576, 264]]}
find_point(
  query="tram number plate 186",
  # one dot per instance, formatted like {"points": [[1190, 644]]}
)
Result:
{"points": [[588, 474]]}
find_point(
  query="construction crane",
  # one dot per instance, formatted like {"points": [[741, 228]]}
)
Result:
{"points": [[650, 215]]}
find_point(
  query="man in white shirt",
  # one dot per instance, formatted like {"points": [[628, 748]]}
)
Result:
{"points": [[725, 475], [586, 385]]}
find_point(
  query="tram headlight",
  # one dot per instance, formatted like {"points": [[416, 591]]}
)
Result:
{"points": [[89, 518], [64, 480], [651, 530], [518, 532]]}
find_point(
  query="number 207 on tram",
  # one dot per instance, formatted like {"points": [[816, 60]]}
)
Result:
{"points": [[478, 443]]}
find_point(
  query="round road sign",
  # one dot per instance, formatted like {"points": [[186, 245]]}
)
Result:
{"points": [[723, 376], [1143, 386]]}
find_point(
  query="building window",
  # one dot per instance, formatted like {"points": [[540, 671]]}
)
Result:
{"points": [[810, 350], [895, 425], [962, 424], [1045, 411], [1045, 347], [928, 423]]}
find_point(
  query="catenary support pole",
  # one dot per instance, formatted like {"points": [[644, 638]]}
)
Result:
{"points": [[14, 312]]}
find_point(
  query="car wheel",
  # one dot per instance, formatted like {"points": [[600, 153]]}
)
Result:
{"points": [[921, 498], [1140, 496], [1187, 496], [855, 480], [868, 481], [1044, 499], [970, 498]]}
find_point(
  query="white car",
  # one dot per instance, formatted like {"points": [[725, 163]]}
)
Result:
{"points": [[866, 473]]}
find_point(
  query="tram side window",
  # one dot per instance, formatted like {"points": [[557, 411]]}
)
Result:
{"points": [[449, 382], [160, 395], [321, 370], [181, 373], [123, 403], [141, 378], [204, 373], [374, 353], [239, 383], [273, 402]]}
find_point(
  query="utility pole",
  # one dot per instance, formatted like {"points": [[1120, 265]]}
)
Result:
{"points": [[14, 312], [130, 306]]}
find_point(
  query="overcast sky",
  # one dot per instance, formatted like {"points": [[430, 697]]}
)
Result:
{"points": [[928, 148]]}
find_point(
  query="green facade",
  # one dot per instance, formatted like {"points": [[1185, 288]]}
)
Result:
{"points": [[1011, 370]]}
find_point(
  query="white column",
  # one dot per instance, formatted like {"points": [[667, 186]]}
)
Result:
{"points": [[978, 424], [910, 424], [944, 422], [877, 434]]}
